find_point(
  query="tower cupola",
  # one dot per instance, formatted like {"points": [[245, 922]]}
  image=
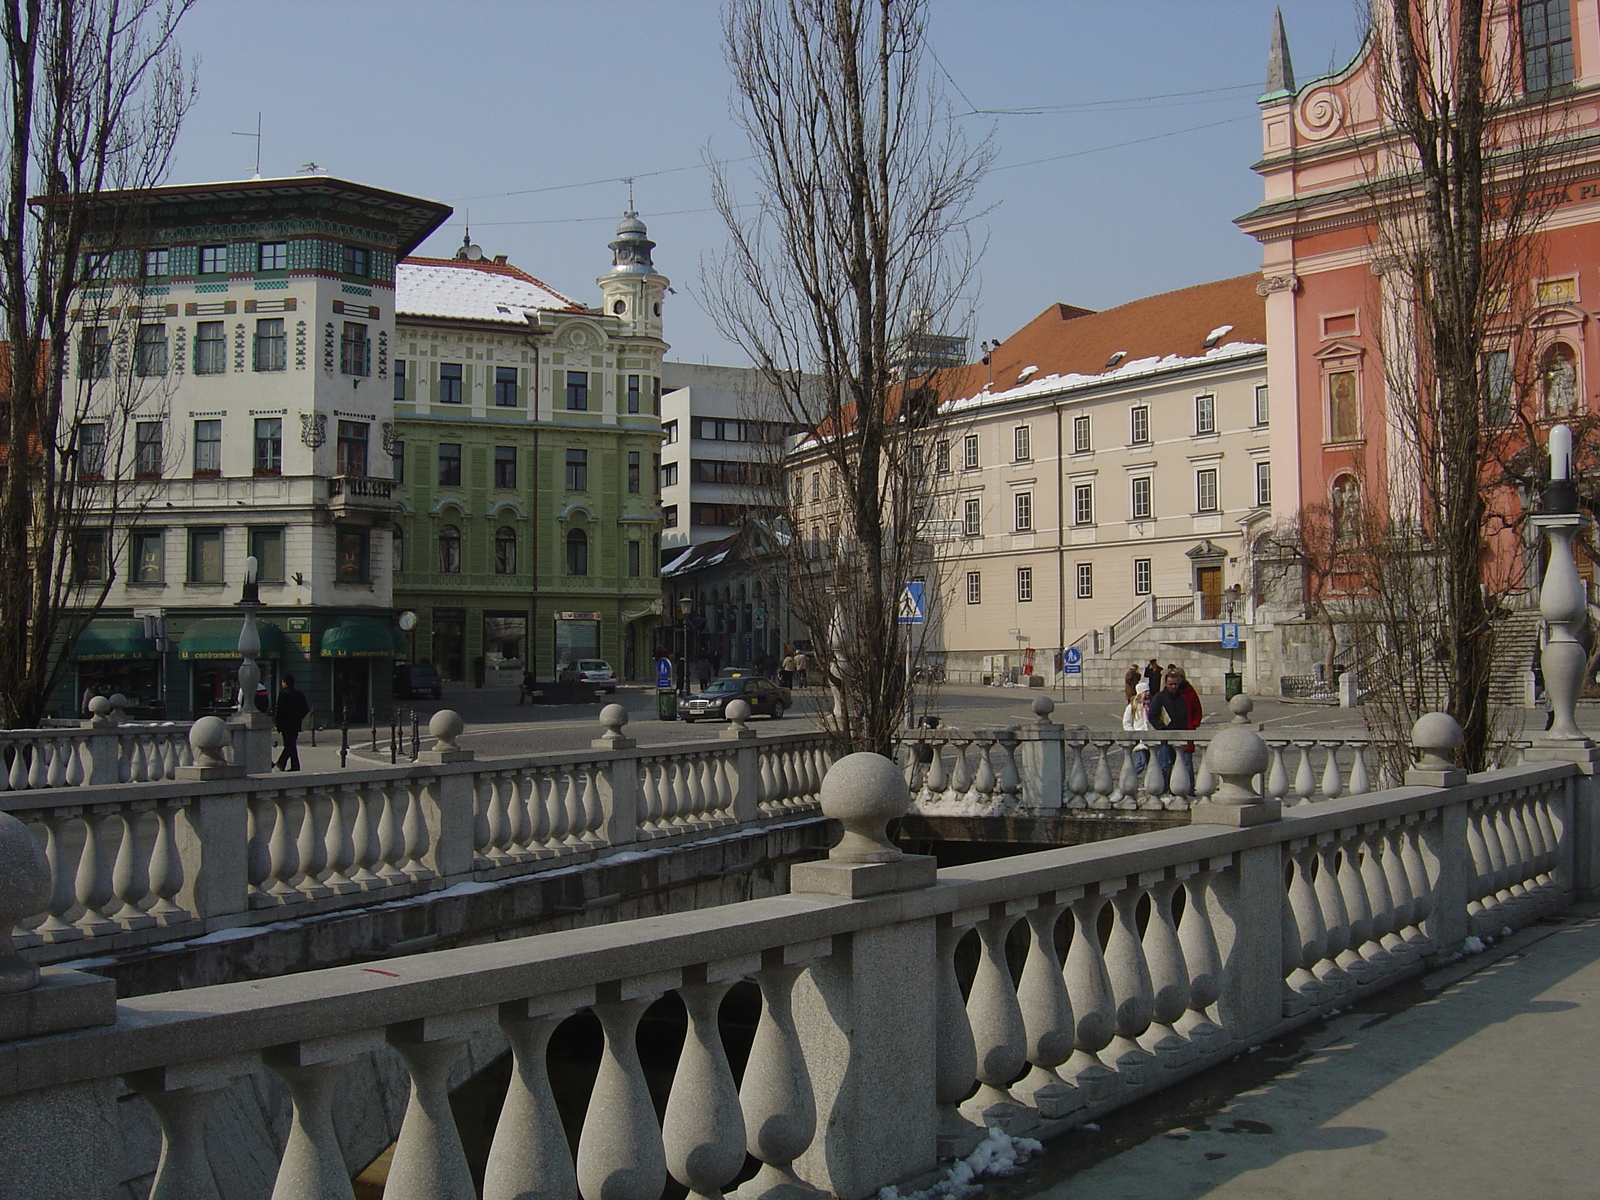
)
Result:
{"points": [[632, 290]]}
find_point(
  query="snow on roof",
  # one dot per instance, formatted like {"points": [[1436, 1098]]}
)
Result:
{"points": [[473, 291]]}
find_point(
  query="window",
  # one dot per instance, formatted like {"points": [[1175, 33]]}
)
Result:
{"points": [[213, 260], [397, 550], [655, 395], [1205, 490], [147, 557], [210, 348], [669, 516], [271, 345], [399, 380], [449, 464], [1140, 509], [1081, 440], [1024, 584], [205, 556], [1263, 410], [1141, 577], [89, 557], [94, 352], [449, 383], [505, 387], [91, 450], [635, 560], [633, 393], [268, 459], [577, 391], [449, 550], [969, 452], [974, 587], [1546, 44], [267, 547], [1205, 414], [150, 351], [352, 448], [1263, 485], [1344, 415], [972, 518], [357, 261], [155, 262], [1022, 506], [669, 478], [816, 486], [1083, 504], [577, 553], [147, 453], [669, 432], [1085, 581], [355, 352], [272, 256], [505, 551], [397, 462], [1497, 409], [208, 449], [505, 466], [1021, 444], [1139, 424], [577, 470], [351, 559], [633, 472]]}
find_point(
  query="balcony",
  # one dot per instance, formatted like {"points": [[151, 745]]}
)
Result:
{"points": [[352, 494]]}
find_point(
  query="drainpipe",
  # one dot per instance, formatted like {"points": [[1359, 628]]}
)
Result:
{"points": [[1061, 550]]}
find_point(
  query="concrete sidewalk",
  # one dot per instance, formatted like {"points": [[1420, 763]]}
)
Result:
{"points": [[1476, 1082]]}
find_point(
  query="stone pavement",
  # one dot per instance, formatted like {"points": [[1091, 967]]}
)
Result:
{"points": [[1475, 1082]]}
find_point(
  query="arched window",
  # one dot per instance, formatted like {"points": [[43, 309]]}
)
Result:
{"points": [[505, 551], [577, 553], [1346, 506], [449, 550], [1558, 379]]}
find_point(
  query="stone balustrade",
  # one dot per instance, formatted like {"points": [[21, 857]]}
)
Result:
{"points": [[103, 751], [868, 1063], [142, 863]]}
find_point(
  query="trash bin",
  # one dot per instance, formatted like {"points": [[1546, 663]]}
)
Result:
{"points": [[666, 704], [1232, 684]]}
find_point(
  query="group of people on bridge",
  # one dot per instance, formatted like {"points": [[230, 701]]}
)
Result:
{"points": [[1164, 701]]}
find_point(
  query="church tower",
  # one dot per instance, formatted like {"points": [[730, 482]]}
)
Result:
{"points": [[632, 290]]}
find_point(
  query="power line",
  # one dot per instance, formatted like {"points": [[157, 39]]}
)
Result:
{"points": [[1154, 137], [564, 187], [1105, 105]]}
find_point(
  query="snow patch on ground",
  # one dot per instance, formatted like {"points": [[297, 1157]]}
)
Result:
{"points": [[997, 1154], [1473, 945]]}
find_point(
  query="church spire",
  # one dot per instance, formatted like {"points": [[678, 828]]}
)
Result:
{"points": [[1280, 71]]}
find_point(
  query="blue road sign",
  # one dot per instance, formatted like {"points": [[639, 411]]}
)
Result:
{"points": [[663, 674], [912, 611], [1072, 661], [1230, 635]]}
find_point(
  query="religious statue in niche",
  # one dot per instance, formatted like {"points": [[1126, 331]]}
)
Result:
{"points": [[1346, 508], [1560, 379], [1344, 419]]}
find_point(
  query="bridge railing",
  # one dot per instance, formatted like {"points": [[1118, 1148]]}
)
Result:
{"points": [[103, 750], [140, 863], [867, 1063]]}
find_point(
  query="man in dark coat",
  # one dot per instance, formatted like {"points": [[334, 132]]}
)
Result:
{"points": [[291, 714], [1169, 713]]}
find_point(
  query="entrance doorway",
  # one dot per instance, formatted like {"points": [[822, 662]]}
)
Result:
{"points": [[1208, 582]]}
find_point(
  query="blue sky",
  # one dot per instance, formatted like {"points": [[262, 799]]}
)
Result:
{"points": [[496, 106]]}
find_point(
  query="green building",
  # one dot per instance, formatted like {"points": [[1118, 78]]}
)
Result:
{"points": [[527, 451]]}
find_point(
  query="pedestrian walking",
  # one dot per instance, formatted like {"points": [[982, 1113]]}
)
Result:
{"points": [[1136, 719], [786, 671], [527, 688], [1152, 676], [703, 673], [1191, 703], [291, 714], [802, 664], [1168, 713]]}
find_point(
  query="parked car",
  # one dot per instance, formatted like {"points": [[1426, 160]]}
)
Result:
{"points": [[417, 679], [762, 695], [589, 670]]}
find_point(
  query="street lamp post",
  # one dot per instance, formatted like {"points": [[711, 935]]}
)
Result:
{"points": [[254, 725], [1561, 598]]}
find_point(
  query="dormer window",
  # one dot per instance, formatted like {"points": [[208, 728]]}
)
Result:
{"points": [[619, 307], [1215, 337], [1026, 374], [1115, 359]]}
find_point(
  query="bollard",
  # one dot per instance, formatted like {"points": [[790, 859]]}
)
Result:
{"points": [[344, 734], [416, 735], [374, 731], [394, 737]]}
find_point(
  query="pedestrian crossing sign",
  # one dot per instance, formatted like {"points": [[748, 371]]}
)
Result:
{"points": [[912, 611]]}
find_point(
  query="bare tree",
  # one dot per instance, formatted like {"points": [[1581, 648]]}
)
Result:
{"points": [[97, 91], [858, 240]]}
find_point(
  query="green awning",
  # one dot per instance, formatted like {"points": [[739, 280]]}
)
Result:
{"points": [[218, 638], [402, 644], [360, 637], [113, 641]]}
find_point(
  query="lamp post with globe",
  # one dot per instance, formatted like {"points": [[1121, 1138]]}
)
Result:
{"points": [[255, 725]]}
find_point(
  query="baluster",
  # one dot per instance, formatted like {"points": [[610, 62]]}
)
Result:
{"points": [[1094, 1013], [497, 799], [518, 829], [1103, 784], [428, 1162], [997, 1032], [650, 793], [166, 866], [76, 774], [313, 843], [955, 1053], [1480, 887], [285, 846], [391, 838], [94, 884], [1551, 862], [1402, 908], [1201, 958], [560, 819], [529, 1156], [57, 775], [541, 808], [961, 775], [780, 1115], [1010, 782], [63, 885], [313, 1166], [260, 818], [1519, 849], [1377, 886], [1169, 978], [1332, 780], [691, 798], [935, 781], [1078, 779], [1335, 919], [415, 830], [1127, 778], [39, 762], [1181, 784], [1305, 782], [586, 806], [340, 850], [703, 1129], [17, 775], [620, 1156], [1204, 781], [1499, 871], [1304, 936], [1356, 957], [364, 838], [983, 779], [181, 1097], [1360, 783], [1420, 887], [130, 876], [1155, 780], [1129, 975], [1278, 777], [1046, 1015], [482, 836], [766, 779]]}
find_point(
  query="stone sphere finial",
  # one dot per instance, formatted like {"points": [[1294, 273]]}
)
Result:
{"points": [[614, 717], [24, 892], [864, 792], [99, 706], [737, 712], [208, 737], [1236, 755], [1241, 706], [1437, 736], [1042, 707], [445, 727]]}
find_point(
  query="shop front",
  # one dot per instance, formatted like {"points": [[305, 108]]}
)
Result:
{"points": [[361, 650], [114, 657], [576, 636], [210, 647]]}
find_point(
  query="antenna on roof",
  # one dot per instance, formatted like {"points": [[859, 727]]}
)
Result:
{"points": [[468, 251], [257, 136], [311, 168], [628, 179]]}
